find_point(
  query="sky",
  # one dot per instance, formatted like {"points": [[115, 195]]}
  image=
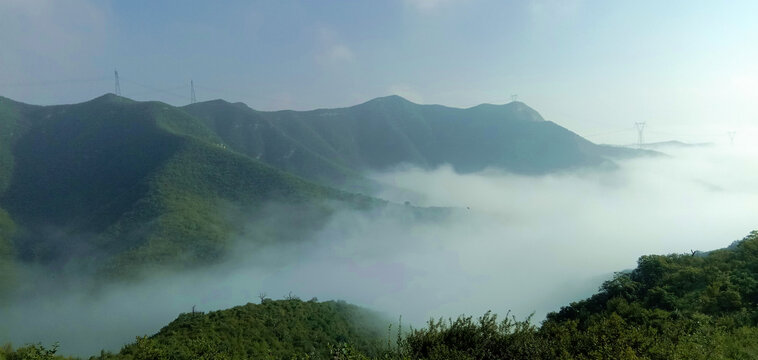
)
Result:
{"points": [[688, 69]]}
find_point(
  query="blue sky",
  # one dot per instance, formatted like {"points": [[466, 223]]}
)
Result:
{"points": [[687, 68]]}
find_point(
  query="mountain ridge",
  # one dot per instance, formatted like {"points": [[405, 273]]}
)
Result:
{"points": [[344, 142], [122, 183], [125, 182]]}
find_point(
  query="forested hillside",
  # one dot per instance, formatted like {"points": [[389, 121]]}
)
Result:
{"points": [[276, 329], [117, 184], [690, 306], [335, 146], [112, 185], [8, 125]]}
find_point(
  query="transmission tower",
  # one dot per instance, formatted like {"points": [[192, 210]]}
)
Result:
{"points": [[514, 97], [731, 137], [118, 85], [640, 133], [193, 99]]}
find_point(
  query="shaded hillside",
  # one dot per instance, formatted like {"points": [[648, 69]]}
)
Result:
{"points": [[8, 130], [7, 253], [246, 132], [336, 145], [123, 183]]}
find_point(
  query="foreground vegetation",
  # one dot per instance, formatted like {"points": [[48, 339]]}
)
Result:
{"points": [[693, 306]]}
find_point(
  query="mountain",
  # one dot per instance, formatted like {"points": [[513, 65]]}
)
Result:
{"points": [[673, 143], [118, 184], [113, 185], [335, 146]]}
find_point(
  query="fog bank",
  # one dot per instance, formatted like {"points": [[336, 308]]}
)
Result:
{"points": [[519, 243]]}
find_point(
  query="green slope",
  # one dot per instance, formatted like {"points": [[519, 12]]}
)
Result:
{"points": [[278, 329], [120, 184], [719, 283], [250, 133], [77, 165], [194, 200], [333, 145], [692, 306]]}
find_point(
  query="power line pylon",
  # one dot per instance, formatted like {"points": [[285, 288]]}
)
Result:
{"points": [[118, 84], [193, 99], [640, 133], [731, 137], [514, 97]]}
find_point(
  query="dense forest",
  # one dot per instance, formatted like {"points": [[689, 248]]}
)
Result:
{"points": [[678, 306]]}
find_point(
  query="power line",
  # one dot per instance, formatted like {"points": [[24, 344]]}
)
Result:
{"points": [[167, 92], [145, 92], [215, 91], [639, 126], [609, 132], [662, 132], [229, 95]]}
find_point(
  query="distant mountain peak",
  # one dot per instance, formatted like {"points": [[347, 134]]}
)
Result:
{"points": [[217, 103], [526, 110], [390, 99], [110, 98]]}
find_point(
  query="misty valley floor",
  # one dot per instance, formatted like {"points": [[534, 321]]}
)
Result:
{"points": [[680, 306], [470, 263]]}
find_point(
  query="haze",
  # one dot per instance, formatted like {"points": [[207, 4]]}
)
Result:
{"points": [[686, 68], [513, 243], [524, 244]]}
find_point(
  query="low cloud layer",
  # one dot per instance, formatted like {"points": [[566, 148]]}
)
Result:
{"points": [[518, 243]]}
